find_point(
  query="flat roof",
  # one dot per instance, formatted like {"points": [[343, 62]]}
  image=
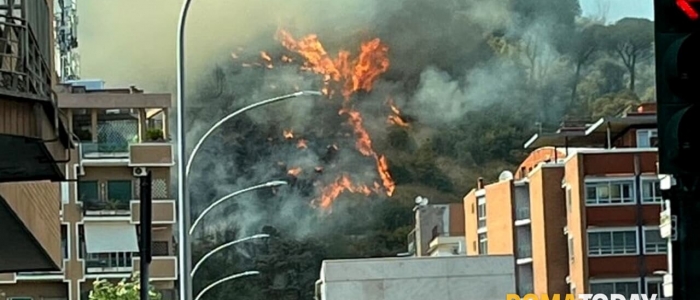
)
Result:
{"points": [[114, 100]]}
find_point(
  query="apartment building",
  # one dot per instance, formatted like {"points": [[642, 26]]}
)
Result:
{"points": [[581, 213], [34, 140], [439, 229], [99, 208]]}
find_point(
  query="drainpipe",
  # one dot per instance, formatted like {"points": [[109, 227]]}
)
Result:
{"points": [[608, 135]]}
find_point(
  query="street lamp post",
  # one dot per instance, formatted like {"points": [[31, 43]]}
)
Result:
{"points": [[224, 246], [232, 115], [232, 195], [225, 279], [183, 208], [183, 203]]}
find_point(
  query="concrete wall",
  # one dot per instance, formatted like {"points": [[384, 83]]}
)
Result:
{"points": [[418, 278]]}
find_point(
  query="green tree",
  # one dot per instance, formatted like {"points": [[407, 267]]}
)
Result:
{"points": [[126, 289], [631, 39]]}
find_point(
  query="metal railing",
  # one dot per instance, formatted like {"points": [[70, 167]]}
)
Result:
{"points": [[23, 69], [109, 265], [114, 207]]}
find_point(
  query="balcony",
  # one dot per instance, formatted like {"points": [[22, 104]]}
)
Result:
{"points": [[151, 155], [106, 208], [163, 212], [411, 241], [110, 263], [447, 244], [162, 267], [31, 128]]}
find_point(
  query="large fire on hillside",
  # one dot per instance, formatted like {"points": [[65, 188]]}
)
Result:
{"points": [[343, 76]]}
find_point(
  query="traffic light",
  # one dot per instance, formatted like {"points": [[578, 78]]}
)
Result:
{"points": [[677, 39]]}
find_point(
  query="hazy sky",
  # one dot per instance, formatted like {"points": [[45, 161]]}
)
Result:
{"points": [[618, 9], [127, 46]]}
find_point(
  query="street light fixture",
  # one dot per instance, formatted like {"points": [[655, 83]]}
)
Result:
{"points": [[232, 115], [225, 279], [232, 195], [224, 246]]}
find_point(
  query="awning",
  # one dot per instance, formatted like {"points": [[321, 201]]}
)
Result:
{"points": [[110, 238]]}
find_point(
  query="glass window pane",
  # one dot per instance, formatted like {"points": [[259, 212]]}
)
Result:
{"points": [[603, 191], [591, 193], [87, 191], [603, 288], [119, 190]]}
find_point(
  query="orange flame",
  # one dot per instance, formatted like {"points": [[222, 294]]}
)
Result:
{"points": [[342, 184], [395, 118], [288, 134], [294, 171], [301, 144], [353, 75], [268, 60]]}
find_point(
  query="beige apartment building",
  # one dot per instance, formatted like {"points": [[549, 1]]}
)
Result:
{"points": [[581, 213], [123, 133], [34, 140]]}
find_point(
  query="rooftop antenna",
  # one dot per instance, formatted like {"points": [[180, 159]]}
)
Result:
{"points": [[66, 24]]}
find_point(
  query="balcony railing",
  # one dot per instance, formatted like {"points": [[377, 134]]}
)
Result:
{"points": [[107, 207], [104, 150], [23, 69], [109, 265]]}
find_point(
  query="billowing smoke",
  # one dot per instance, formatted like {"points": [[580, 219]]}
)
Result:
{"points": [[448, 58]]}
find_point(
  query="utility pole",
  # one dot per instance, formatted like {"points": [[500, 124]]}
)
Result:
{"points": [[677, 40], [146, 204]]}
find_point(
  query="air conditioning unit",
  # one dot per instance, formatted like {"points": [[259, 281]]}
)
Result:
{"points": [[140, 171]]}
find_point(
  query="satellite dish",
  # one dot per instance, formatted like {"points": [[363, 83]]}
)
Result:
{"points": [[505, 175], [421, 201]]}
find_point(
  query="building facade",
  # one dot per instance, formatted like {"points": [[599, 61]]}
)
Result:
{"points": [[34, 140], [581, 213], [438, 230], [99, 207]]}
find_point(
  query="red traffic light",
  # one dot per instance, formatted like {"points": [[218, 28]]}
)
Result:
{"points": [[687, 7]]}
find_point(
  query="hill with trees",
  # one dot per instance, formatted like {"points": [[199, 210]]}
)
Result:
{"points": [[472, 90]]}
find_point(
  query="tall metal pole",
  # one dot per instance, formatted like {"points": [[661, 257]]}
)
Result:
{"points": [[146, 222], [184, 243]]}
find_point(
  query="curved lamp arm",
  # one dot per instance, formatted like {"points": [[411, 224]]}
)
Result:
{"points": [[232, 115], [231, 195], [225, 279], [224, 246]]}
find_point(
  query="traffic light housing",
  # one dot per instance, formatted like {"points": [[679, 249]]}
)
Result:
{"points": [[677, 40]]}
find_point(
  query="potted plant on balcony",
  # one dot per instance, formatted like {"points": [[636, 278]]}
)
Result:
{"points": [[154, 135], [113, 205], [126, 289]]}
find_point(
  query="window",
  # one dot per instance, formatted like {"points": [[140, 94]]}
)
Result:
{"points": [[119, 190], [609, 192], [64, 241], [571, 248], [654, 287], [617, 242], [653, 242], [481, 213], [81, 241], [483, 244], [651, 191], [647, 138], [624, 288], [568, 199], [88, 191]]}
